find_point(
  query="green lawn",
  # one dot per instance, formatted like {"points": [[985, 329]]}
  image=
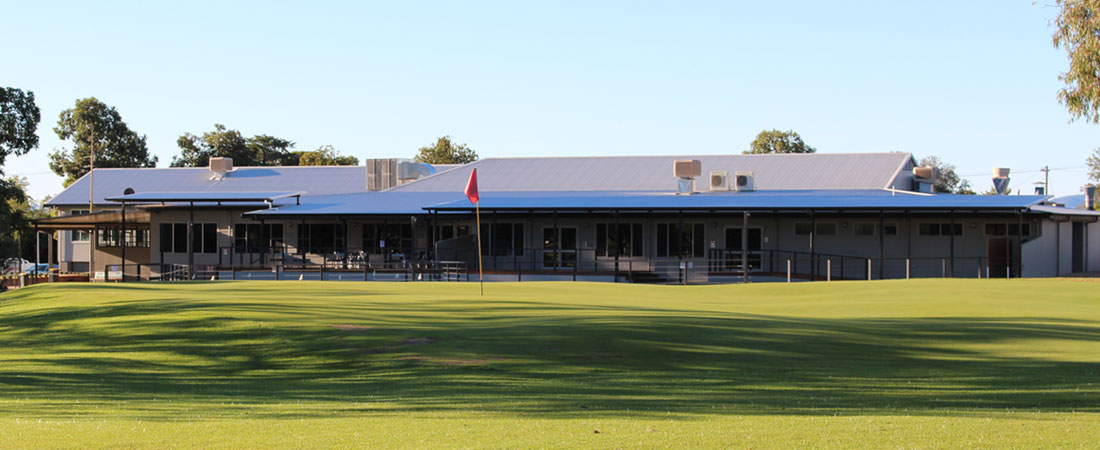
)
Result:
{"points": [[913, 364]]}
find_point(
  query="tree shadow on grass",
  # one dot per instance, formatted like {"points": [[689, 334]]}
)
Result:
{"points": [[493, 357]]}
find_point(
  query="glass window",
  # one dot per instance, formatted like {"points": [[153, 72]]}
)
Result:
{"points": [[388, 238], [671, 242], [110, 237], [630, 239], [865, 229], [505, 239], [802, 228]]}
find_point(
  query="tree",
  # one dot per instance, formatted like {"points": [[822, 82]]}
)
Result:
{"points": [[1077, 30], [19, 118], [326, 155], [17, 210], [1093, 162], [444, 152], [775, 141], [950, 182], [261, 150], [93, 125]]}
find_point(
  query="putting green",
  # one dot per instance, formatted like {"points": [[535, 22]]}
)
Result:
{"points": [[921, 363]]}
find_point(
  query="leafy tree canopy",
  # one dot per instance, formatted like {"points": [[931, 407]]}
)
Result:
{"points": [[17, 210], [92, 124], [1077, 30], [1093, 162], [260, 150], [326, 155], [19, 118], [775, 141], [950, 182], [445, 152]]}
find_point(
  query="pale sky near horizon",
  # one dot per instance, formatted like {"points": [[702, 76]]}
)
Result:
{"points": [[972, 82]]}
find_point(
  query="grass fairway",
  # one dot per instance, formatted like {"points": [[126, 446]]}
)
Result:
{"points": [[912, 364]]}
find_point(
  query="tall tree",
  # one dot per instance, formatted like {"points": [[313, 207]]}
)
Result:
{"points": [[261, 150], [94, 126], [1093, 162], [1077, 30], [17, 210], [775, 141], [950, 182], [446, 152], [19, 118], [326, 155]]}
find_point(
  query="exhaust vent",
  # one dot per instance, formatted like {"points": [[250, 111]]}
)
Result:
{"points": [[719, 180], [685, 171], [220, 166], [744, 181]]}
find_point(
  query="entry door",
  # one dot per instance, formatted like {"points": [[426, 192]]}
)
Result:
{"points": [[998, 252], [1078, 247], [733, 247], [559, 249]]}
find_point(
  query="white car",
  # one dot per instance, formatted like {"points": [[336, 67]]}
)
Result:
{"points": [[15, 265]]}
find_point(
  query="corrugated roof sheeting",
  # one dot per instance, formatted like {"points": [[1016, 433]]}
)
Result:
{"points": [[363, 203], [317, 180], [654, 173], [1056, 210], [202, 196], [777, 200]]}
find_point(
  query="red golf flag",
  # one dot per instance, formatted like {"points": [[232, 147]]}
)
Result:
{"points": [[471, 187]]}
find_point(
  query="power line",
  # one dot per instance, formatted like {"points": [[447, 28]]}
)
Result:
{"points": [[1041, 169]]}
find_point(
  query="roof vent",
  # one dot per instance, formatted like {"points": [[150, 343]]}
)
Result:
{"points": [[927, 174], [409, 171], [1090, 197], [686, 170], [128, 191], [1000, 180], [719, 180], [221, 166], [743, 181]]}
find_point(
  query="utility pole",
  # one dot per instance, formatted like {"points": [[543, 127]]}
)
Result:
{"points": [[1046, 180], [91, 171]]}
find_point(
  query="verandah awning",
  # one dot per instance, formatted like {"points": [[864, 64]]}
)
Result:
{"points": [[91, 221]]}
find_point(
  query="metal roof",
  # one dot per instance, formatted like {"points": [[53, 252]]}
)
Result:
{"points": [[204, 196], [654, 173], [317, 180], [1070, 201], [1060, 211], [91, 221], [363, 203], [759, 200]]}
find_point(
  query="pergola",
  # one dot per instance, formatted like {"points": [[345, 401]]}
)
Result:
{"points": [[89, 222]]}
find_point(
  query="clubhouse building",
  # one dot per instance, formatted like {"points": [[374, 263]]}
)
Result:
{"points": [[670, 219]]}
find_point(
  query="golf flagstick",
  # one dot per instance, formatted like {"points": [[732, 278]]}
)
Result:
{"points": [[480, 272], [475, 198]]}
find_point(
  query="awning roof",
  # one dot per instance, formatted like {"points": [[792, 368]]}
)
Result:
{"points": [[1062, 211], [90, 221], [203, 197], [741, 201]]}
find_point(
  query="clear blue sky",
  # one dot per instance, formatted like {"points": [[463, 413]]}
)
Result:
{"points": [[973, 82]]}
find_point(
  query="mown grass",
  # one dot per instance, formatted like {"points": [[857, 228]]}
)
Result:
{"points": [[929, 363]]}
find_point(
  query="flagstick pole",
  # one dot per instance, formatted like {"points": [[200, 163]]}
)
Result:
{"points": [[480, 272]]}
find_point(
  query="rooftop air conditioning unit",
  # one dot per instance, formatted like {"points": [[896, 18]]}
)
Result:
{"points": [[719, 180], [743, 181], [927, 173], [687, 168]]}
